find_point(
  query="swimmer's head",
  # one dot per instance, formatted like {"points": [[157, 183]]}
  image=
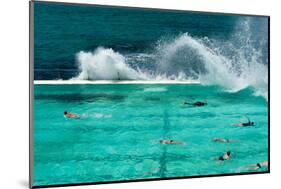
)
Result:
{"points": [[228, 153], [65, 112], [252, 123], [258, 165]]}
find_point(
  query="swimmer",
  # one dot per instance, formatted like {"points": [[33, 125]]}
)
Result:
{"points": [[225, 157], [259, 166], [223, 140], [170, 142], [245, 124], [196, 104], [199, 104], [70, 115]]}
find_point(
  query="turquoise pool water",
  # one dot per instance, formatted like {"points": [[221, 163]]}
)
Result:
{"points": [[117, 137]]}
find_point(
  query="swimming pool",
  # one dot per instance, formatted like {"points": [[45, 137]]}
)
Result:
{"points": [[117, 135]]}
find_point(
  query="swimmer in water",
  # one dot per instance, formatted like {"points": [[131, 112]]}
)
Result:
{"points": [[170, 142], [225, 157], [199, 104], [70, 115], [245, 124], [259, 166], [196, 104], [223, 140]]}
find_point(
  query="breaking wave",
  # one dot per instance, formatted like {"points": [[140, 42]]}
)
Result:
{"points": [[105, 64], [234, 65]]}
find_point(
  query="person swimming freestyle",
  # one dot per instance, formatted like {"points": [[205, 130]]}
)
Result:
{"points": [[170, 142], [262, 164], [70, 115], [222, 140], [255, 167], [225, 157], [196, 104], [245, 124]]}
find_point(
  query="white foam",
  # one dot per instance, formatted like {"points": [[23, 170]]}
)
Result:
{"points": [[105, 64], [206, 62]]}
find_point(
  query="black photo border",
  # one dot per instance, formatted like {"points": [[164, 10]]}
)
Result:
{"points": [[31, 94]]}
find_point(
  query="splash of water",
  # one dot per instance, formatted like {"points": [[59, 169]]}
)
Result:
{"points": [[234, 65], [211, 67], [105, 64]]}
